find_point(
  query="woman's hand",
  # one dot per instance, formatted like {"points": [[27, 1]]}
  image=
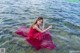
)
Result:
{"points": [[50, 26]]}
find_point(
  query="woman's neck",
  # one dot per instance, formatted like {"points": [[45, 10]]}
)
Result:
{"points": [[38, 25]]}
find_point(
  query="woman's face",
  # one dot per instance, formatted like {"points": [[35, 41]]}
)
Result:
{"points": [[39, 21]]}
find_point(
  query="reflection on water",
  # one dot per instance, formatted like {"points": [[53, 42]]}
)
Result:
{"points": [[62, 14]]}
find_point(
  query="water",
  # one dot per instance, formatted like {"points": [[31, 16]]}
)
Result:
{"points": [[63, 15]]}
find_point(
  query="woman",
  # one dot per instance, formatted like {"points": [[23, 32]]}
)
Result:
{"points": [[39, 37]]}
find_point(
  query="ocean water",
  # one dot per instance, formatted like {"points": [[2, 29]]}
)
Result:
{"points": [[64, 15]]}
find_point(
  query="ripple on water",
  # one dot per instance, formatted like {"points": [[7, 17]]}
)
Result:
{"points": [[63, 15]]}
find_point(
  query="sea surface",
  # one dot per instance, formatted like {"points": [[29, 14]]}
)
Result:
{"points": [[64, 15]]}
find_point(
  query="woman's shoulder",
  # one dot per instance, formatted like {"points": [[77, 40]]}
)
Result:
{"points": [[35, 26]]}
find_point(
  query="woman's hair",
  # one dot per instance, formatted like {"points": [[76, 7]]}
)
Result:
{"points": [[39, 18]]}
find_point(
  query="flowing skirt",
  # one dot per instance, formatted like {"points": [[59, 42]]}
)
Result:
{"points": [[38, 40]]}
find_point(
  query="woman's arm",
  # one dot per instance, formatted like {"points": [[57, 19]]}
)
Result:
{"points": [[37, 28]]}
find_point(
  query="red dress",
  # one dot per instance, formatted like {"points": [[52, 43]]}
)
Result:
{"points": [[39, 40]]}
